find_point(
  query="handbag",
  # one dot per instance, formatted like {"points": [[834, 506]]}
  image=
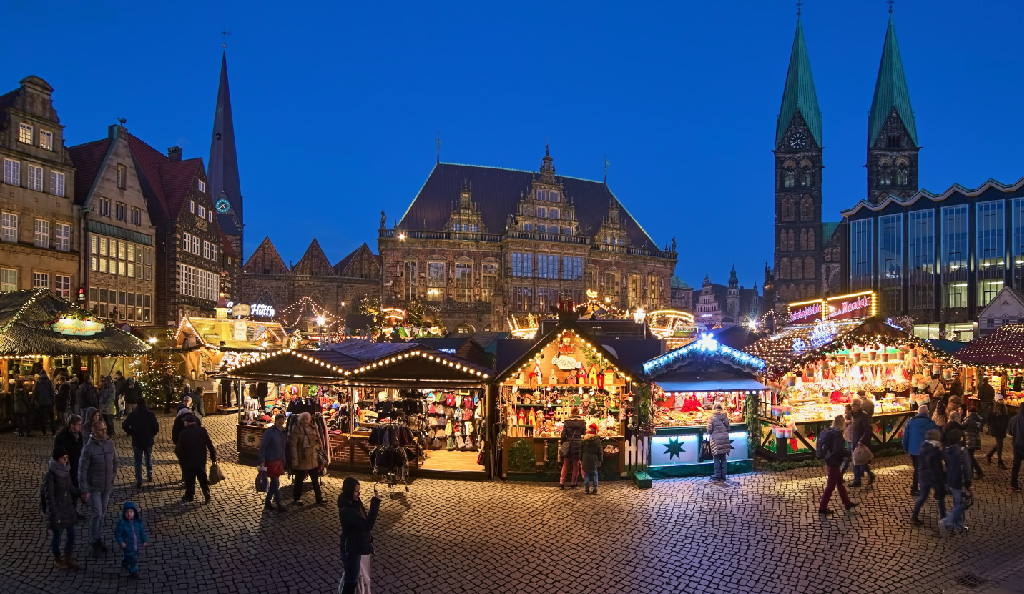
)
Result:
{"points": [[216, 474], [705, 450], [321, 458], [862, 455], [275, 468], [262, 482]]}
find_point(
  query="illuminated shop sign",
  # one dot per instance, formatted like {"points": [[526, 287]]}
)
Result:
{"points": [[76, 327], [837, 309], [804, 312]]}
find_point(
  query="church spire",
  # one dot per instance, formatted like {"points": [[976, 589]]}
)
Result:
{"points": [[891, 91], [222, 169], [799, 94]]}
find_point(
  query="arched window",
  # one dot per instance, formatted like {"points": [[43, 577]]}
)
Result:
{"points": [[788, 177], [806, 208], [810, 239], [809, 268], [902, 176], [784, 268], [806, 178], [803, 240], [796, 272], [788, 209]]}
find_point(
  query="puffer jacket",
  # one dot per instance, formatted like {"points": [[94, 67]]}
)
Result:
{"points": [[273, 445], [98, 467], [356, 525], [972, 431], [572, 431], [591, 454], [130, 533], [718, 434], [929, 464], [958, 467], [914, 431], [304, 443], [72, 443], [60, 495]]}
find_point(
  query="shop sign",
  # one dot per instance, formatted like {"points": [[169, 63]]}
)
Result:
{"points": [[805, 313], [850, 307], [240, 328], [239, 310], [565, 362], [76, 327], [261, 310], [823, 334]]}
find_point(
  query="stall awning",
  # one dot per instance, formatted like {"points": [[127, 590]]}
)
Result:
{"points": [[38, 322], [724, 385], [1004, 347], [232, 335]]}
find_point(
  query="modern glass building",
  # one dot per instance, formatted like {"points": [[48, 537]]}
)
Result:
{"points": [[940, 258]]}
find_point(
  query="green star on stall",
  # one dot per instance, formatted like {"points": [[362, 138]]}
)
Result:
{"points": [[674, 448]]}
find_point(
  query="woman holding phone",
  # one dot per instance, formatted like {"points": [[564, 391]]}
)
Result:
{"points": [[356, 541]]}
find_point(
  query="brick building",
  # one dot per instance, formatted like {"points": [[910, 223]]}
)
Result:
{"points": [[481, 243], [39, 222], [119, 257]]}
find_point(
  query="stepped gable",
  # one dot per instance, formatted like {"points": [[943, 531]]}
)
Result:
{"points": [[314, 262], [88, 159], [497, 192], [265, 260]]}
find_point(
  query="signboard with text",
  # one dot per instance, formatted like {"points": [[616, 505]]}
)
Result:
{"points": [[833, 309]]}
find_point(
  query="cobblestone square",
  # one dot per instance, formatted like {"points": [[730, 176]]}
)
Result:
{"points": [[758, 533]]}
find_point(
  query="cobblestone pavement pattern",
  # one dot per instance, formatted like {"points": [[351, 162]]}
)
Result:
{"points": [[759, 533]]}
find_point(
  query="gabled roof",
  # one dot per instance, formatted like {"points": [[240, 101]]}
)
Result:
{"points": [[799, 94], [147, 164], [265, 258], [497, 192], [1002, 294], [341, 268], [1015, 190], [678, 283], [223, 171], [565, 323], [88, 159], [891, 91], [1002, 347], [314, 262], [177, 178]]}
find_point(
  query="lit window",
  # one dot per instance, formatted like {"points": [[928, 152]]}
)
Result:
{"points": [[192, 206], [46, 140], [8, 279], [121, 210], [42, 233], [63, 237], [202, 211], [35, 178], [12, 172], [62, 285], [195, 245], [25, 133], [9, 227], [56, 183], [40, 280]]}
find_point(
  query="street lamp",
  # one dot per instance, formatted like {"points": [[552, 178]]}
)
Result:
{"points": [[320, 321]]}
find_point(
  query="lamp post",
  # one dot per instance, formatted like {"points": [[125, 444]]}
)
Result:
{"points": [[320, 321]]}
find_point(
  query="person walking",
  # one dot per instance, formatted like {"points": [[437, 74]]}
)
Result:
{"points": [[120, 385], [591, 458], [87, 397], [306, 450], [913, 437], [130, 535], [62, 400], [132, 395], [60, 493], [92, 416], [932, 475], [718, 435], [22, 409], [958, 480], [861, 436], [178, 426], [986, 398], [832, 449], [96, 473], [108, 403], [70, 439], [193, 444], [972, 437], [1016, 431], [997, 422], [44, 395], [572, 434], [356, 540], [141, 425], [271, 458]]}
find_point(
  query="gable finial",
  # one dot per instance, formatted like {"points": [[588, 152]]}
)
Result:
{"points": [[438, 146], [224, 39], [606, 164], [799, 6], [890, 3]]}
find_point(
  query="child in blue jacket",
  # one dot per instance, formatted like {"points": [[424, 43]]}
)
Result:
{"points": [[130, 535]]}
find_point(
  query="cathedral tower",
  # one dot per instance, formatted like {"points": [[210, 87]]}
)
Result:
{"points": [[225, 187]]}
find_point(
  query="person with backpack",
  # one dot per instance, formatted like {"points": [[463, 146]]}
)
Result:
{"points": [[958, 480], [913, 437], [58, 502], [832, 449], [932, 474]]}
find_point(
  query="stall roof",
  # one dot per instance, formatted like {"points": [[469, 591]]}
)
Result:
{"points": [[565, 323], [25, 319], [1004, 347], [701, 356], [219, 333], [710, 385], [947, 346]]}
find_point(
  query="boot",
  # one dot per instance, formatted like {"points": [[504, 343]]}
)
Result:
{"points": [[58, 562], [1001, 465], [70, 562]]}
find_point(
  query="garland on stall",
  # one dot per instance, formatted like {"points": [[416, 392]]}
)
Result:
{"points": [[521, 457], [752, 405]]}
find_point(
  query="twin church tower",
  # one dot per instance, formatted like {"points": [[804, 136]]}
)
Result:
{"points": [[807, 251]]}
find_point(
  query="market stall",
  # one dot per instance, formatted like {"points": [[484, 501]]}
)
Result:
{"points": [[436, 400], [564, 369], [686, 384], [818, 365], [40, 331], [1000, 357]]}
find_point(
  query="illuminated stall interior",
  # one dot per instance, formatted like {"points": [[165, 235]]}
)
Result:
{"points": [[999, 356]]}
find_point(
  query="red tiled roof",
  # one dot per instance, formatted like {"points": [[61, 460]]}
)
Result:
{"points": [[225, 247], [147, 164], [177, 178], [88, 160]]}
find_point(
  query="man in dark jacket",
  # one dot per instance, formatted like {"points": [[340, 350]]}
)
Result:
{"points": [[142, 426], [913, 437], [356, 540], [932, 474], [87, 396], [44, 395], [986, 396], [833, 452], [572, 433], [193, 444], [861, 434], [70, 438], [132, 395], [958, 480], [1016, 430]]}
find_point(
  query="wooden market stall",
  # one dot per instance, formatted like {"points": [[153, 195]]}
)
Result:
{"points": [[686, 384], [1000, 356], [814, 371], [565, 368], [41, 331], [357, 385]]}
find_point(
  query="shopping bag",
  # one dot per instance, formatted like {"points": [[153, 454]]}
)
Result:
{"points": [[262, 482], [216, 474], [705, 450], [862, 455]]}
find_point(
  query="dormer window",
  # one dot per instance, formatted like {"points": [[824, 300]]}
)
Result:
{"points": [[25, 133], [46, 140], [553, 196], [542, 195], [202, 186], [542, 212], [553, 213]]}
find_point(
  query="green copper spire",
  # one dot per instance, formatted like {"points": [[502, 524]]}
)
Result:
{"points": [[891, 91], [799, 94]]}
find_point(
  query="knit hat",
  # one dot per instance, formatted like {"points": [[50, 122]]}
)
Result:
{"points": [[922, 411], [592, 428], [59, 452]]}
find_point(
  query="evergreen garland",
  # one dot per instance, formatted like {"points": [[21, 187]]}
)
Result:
{"points": [[521, 457], [751, 407]]}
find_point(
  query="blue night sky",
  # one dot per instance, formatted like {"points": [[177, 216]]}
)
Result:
{"points": [[337, 105]]}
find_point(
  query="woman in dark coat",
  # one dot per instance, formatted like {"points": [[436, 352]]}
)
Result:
{"points": [[61, 516], [998, 421], [70, 438], [572, 432], [356, 540]]}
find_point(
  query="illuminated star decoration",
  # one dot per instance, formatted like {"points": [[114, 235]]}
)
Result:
{"points": [[674, 448]]}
